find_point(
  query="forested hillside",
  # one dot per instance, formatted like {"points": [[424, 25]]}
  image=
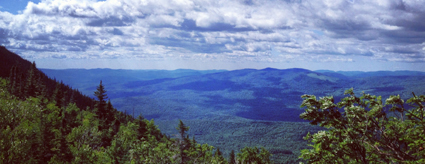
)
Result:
{"points": [[26, 80], [45, 121]]}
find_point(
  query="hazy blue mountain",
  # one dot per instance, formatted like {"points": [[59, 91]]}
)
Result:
{"points": [[267, 94], [358, 74], [86, 79]]}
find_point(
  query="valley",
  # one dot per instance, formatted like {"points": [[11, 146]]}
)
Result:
{"points": [[234, 109]]}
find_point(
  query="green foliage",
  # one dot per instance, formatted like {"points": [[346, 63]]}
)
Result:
{"points": [[367, 130], [84, 139], [39, 131], [101, 96], [253, 155], [282, 139], [219, 156]]}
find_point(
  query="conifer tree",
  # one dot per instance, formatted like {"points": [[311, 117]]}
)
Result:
{"points": [[182, 128], [193, 140], [142, 129], [13, 79], [109, 113], [16, 83], [219, 156], [30, 88], [232, 157], [40, 87], [58, 96], [101, 96], [21, 86]]}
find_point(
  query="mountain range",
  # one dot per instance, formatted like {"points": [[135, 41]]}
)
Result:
{"points": [[228, 109], [267, 94]]}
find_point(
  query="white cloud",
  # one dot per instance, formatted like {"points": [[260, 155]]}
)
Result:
{"points": [[218, 30]]}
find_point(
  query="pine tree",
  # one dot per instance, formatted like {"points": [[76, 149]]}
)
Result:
{"points": [[232, 157], [104, 113], [193, 140], [58, 96], [219, 156], [109, 113], [20, 92], [141, 130], [30, 88], [12, 79], [40, 87], [182, 128], [15, 81], [101, 96]]}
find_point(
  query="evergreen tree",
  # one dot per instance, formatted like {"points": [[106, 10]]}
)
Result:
{"points": [[13, 79], [219, 156], [16, 83], [142, 129], [101, 96], [30, 86], [232, 157], [40, 87], [21, 86], [183, 141], [109, 113], [58, 96]]}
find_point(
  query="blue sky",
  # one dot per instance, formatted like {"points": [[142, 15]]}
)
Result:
{"points": [[217, 34]]}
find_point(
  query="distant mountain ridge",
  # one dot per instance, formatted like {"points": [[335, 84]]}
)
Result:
{"points": [[258, 94], [375, 73]]}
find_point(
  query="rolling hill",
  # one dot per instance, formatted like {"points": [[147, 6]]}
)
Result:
{"points": [[233, 109], [268, 94]]}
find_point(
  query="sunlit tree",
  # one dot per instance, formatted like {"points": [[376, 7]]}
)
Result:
{"points": [[365, 129]]}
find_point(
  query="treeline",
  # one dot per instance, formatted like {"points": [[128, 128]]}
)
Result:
{"points": [[34, 83], [26, 80]]}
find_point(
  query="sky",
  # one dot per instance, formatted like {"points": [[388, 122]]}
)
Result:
{"points": [[346, 35]]}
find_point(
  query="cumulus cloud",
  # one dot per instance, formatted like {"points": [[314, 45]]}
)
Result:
{"points": [[322, 31]]}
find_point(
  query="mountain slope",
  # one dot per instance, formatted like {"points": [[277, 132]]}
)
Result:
{"points": [[21, 74], [9, 59]]}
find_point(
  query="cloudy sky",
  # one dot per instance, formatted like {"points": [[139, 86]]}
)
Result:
{"points": [[217, 34]]}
